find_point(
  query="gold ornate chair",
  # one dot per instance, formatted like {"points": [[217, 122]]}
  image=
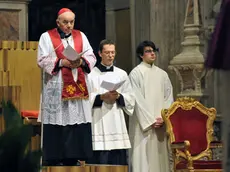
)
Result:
{"points": [[189, 125]]}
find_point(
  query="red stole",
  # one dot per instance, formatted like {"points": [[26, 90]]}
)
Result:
{"points": [[71, 89]]}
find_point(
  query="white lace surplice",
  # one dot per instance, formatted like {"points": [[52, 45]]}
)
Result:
{"points": [[109, 130], [53, 109]]}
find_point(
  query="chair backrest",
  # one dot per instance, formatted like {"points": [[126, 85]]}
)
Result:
{"points": [[188, 119]]}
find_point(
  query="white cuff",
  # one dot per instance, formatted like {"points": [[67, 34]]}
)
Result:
{"points": [[60, 63]]}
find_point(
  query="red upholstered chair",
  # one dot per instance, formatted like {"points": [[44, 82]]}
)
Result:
{"points": [[29, 114], [190, 128], [30, 117]]}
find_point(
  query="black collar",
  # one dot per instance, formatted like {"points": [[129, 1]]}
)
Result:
{"points": [[62, 34], [103, 68]]}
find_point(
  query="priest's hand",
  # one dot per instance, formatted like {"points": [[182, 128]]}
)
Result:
{"points": [[114, 95], [159, 122], [110, 97], [65, 63], [77, 63]]}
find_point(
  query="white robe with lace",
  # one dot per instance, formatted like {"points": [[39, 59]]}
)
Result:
{"points": [[153, 92], [53, 109], [108, 127]]}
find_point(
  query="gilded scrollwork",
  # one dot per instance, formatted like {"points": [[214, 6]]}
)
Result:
{"points": [[187, 103]]}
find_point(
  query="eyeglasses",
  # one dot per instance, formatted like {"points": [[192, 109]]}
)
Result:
{"points": [[108, 52], [151, 51]]}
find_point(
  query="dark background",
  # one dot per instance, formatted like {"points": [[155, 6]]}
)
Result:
{"points": [[90, 18]]}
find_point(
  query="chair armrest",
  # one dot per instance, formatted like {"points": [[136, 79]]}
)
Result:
{"points": [[181, 145], [216, 144], [184, 145], [31, 121]]}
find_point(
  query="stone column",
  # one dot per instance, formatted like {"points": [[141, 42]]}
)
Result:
{"points": [[118, 29], [14, 20], [110, 30], [188, 65], [140, 24], [158, 21]]}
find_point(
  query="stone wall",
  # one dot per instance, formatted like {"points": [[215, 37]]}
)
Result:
{"points": [[13, 20]]}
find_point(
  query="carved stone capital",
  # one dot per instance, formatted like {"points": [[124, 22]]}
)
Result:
{"points": [[190, 77]]}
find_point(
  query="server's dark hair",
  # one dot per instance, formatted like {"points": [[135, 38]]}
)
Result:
{"points": [[142, 45]]}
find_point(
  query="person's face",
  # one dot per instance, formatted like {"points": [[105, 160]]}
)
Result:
{"points": [[66, 22], [108, 54], [149, 55]]}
